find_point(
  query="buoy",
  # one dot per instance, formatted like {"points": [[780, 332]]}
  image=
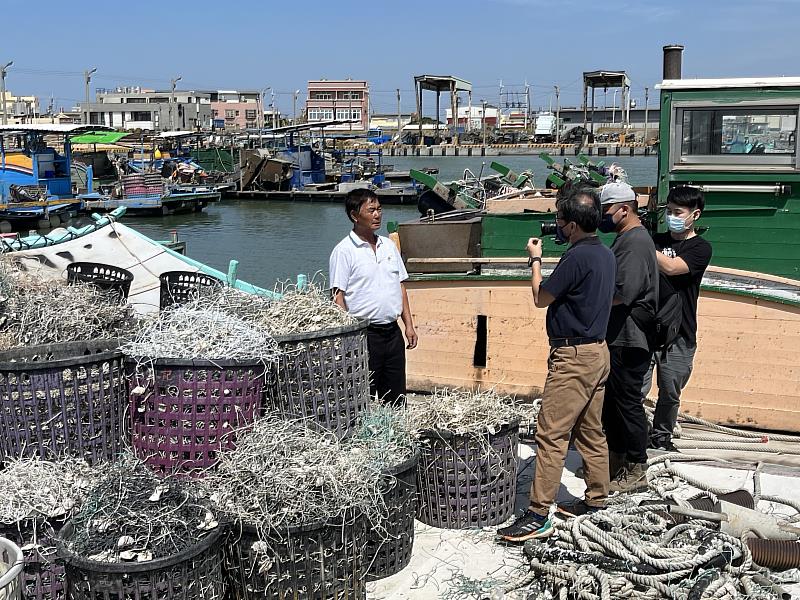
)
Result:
{"points": [[157, 154], [5, 227]]}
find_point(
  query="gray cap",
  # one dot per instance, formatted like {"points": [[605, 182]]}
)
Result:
{"points": [[617, 191]]}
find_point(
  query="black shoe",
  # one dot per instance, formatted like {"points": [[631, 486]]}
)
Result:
{"points": [[577, 508], [529, 526], [664, 444]]}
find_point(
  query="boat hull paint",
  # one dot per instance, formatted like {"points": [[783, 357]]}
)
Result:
{"points": [[746, 371]]}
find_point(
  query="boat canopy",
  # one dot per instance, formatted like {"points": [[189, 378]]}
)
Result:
{"points": [[99, 137], [63, 129], [729, 82]]}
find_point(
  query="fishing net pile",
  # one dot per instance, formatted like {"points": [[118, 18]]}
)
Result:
{"points": [[132, 514], [462, 411], [34, 311], [386, 434], [284, 474]]}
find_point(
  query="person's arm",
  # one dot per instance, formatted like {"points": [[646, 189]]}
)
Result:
{"points": [[541, 297], [405, 316], [339, 273], [631, 271], [338, 297], [671, 266]]}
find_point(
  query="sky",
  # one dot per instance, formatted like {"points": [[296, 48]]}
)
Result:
{"points": [[247, 44]]}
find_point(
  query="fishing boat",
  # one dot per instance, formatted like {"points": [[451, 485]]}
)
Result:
{"points": [[35, 177], [737, 140]]}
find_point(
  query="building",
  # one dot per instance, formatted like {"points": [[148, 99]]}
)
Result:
{"points": [[470, 118], [388, 121], [19, 109], [151, 110], [611, 119], [339, 99], [234, 110]]}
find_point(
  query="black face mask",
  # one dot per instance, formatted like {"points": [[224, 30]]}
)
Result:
{"points": [[561, 237]]}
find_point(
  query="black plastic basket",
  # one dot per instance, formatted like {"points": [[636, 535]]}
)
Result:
{"points": [[322, 376], [468, 481], [389, 551], [63, 400], [106, 277], [43, 571], [194, 574], [179, 287], [313, 562], [183, 412]]}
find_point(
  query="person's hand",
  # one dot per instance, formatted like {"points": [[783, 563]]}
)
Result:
{"points": [[534, 248], [411, 336]]}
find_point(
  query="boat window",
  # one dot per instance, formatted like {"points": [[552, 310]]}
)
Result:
{"points": [[753, 136]]}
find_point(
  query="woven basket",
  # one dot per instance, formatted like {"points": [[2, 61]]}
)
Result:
{"points": [[389, 552], [194, 574], [323, 376], [183, 412], [313, 562], [106, 277], [42, 573], [179, 287], [62, 400], [10, 570], [468, 481]]}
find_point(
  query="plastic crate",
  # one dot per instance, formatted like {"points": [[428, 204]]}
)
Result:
{"points": [[389, 551], [322, 376], [10, 570], [183, 412], [42, 576], [108, 278], [63, 400], [179, 287], [467, 481]]}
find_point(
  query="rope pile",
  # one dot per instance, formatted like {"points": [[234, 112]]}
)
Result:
{"points": [[131, 514], [463, 411], [284, 474], [385, 433]]}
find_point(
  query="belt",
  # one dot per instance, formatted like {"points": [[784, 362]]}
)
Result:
{"points": [[575, 341], [382, 327]]}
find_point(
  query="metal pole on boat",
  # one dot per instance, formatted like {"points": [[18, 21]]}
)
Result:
{"points": [[646, 110], [171, 102], [87, 78], [272, 105], [3, 89], [483, 120], [558, 117], [294, 107], [399, 126]]}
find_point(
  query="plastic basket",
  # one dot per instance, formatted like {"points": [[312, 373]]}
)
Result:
{"points": [[389, 552], [467, 481], [183, 412], [106, 277], [194, 574], [10, 570], [62, 400], [323, 376], [42, 576], [179, 287], [313, 562]]}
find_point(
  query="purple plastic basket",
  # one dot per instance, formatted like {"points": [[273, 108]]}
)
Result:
{"points": [[467, 481], [43, 572], [183, 412], [62, 400]]}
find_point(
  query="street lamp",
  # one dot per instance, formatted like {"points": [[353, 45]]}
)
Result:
{"points": [[483, 120], [174, 82], [272, 108], [261, 120], [294, 107], [87, 77], [3, 89]]}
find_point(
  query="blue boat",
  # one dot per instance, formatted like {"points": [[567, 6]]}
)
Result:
{"points": [[35, 178]]}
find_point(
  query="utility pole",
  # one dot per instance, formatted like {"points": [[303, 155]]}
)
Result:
{"points": [[646, 110], [87, 78], [614, 110], [294, 107], [527, 104], [3, 70], [483, 120], [272, 107], [558, 117], [399, 121], [174, 82]]}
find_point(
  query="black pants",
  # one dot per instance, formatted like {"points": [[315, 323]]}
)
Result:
{"points": [[387, 363], [624, 418]]}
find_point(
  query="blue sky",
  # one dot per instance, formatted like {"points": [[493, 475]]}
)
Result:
{"points": [[250, 44]]}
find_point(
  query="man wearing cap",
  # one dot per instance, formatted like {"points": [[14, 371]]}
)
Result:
{"points": [[624, 418]]}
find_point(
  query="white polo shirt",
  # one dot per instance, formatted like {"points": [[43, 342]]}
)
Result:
{"points": [[370, 280]]}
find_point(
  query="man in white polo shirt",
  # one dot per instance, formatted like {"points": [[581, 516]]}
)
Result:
{"points": [[366, 275]]}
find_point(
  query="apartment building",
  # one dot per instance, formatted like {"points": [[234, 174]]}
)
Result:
{"points": [[150, 110], [339, 99]]}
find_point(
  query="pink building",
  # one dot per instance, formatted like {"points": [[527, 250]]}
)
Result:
{"points": [[232, 109], [343, 99]]}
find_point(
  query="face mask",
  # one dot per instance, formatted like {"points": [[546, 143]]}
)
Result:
{"points": [[607, 224], [676, 224], [561, 236]]}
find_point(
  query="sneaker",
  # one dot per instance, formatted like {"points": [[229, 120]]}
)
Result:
{"points": [[662, 444], [529, 526], [577, 508], [633, 478]]}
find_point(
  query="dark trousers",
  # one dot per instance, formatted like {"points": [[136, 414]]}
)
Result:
{"points": [[624, 418], [387, 363]]}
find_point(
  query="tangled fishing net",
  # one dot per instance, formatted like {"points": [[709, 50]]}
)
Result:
{"points": [[284, 474], [385, 433], [463, 411], [34, 311], [131, 514], [34, 489]]}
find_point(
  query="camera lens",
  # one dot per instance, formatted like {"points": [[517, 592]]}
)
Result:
{"points": [[548, 228]]}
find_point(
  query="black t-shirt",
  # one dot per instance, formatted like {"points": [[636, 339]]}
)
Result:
{"points": [[637, 286], [696, 253], [583, 287]]}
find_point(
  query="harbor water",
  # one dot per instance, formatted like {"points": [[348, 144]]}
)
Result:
{"points": [[276, 241]]}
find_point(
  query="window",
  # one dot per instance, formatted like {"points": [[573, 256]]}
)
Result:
{"points": [[251, 125], [348, 114], [320, 114], [250, 115], [322, 96], [350, 95], [230, 113], [765, 136], [135, 100], [140, 115]]}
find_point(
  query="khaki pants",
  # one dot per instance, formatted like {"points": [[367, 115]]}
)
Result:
{"points": [[572, 405]]}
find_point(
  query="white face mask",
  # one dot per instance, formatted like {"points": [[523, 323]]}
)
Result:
{"points": [[676, 224]]}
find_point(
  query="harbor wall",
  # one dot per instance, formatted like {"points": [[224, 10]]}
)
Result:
{"points": [[599, 150]]}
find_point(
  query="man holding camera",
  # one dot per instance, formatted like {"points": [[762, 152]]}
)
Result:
{"points": [[636, 294], [578, 296]]}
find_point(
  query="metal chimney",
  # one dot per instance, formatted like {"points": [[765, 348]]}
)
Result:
{"points": [[673, 61]]}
